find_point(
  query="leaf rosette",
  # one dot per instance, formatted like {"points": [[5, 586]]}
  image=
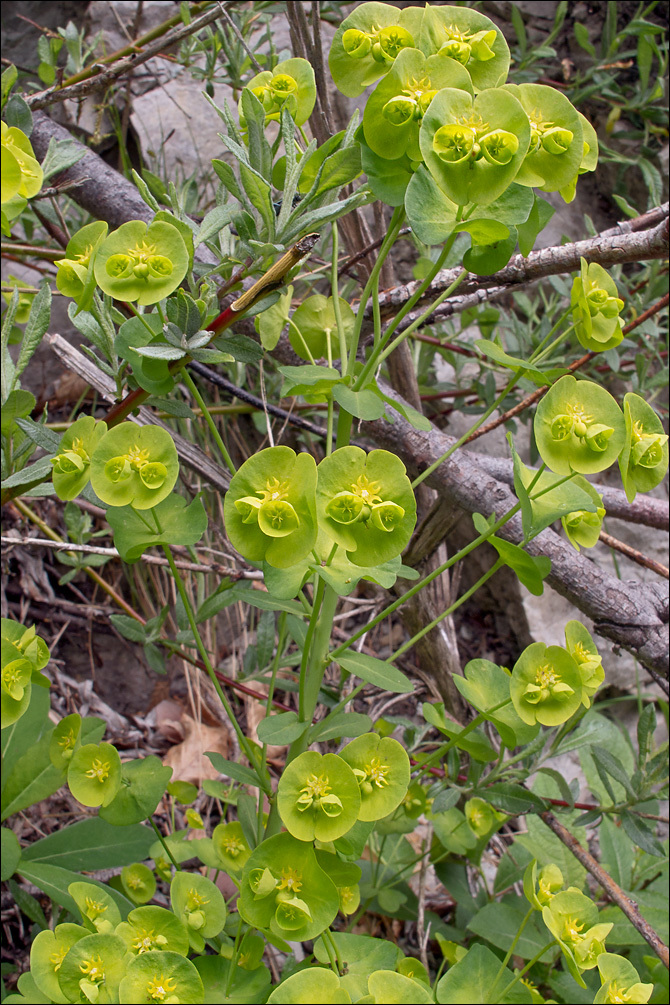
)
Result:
{"points": [[381, 767], [579, 427], [596, 306], [368, 41], [546, 685], [366, 504], [140, 263], [76, 277], [289, 86], [556, 148], [284, 891], [318, 797], [269, 509], [395, 109], [72, 463], [474, 149], [134, 465], [644, 458]]}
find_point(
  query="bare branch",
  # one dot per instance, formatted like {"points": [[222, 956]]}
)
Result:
{"points": [[612, 889]]}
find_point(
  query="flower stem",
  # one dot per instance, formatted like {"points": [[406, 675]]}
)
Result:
{"points": [[190, 383]]}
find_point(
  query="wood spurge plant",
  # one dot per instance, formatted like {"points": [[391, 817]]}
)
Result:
{"points": [[390, 828]]}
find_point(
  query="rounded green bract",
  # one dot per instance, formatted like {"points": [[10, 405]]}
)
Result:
{"points": [[269, 508], [366, 504], [231, 846], [141, 264], [72, 463], [381, 767], [556, 145], [367, 42], [161, 977], [582, 527], [546, 685], [289, 86], [94, 774], [153, 929], [585, 653], [317, 328], [318, 797], [644, 458], [134, 465], [93, 969], [75, 277], [596, 306], [474, 148], [579, 427]]}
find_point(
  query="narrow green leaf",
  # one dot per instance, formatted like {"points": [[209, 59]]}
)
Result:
{"points": [[374, 671]]}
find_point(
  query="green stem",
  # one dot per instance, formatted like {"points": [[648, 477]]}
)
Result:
{"points": [[445, 614], [438, 754], [511, 949], [459, 443], [501, 997], [204, 655], [537, 358], [426, 581], [190, 383], [328, 937], [550, 334], [163, 842]]}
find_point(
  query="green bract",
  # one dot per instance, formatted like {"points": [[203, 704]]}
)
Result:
{"points": [[394, 111], [540, 889], [269, 508], [573, 921], [153, 929], [317, 797], [317, 332], [17, 153], [366, 504], [231, 846], [471, 39], [138, 882], [94, 774], [315, 984], [381, 767], [367, 42], [72, 463], [290, 85], [584, 652], [22, 655], [556, 146], [98, 908], [546, 685], [65, 739], [140, 263], [620, 982], [200, 906], [589, 160], [161, 977], [595, 308], [644, 458], [93, 970], [284, 890], [136, 465], [75, 277], [582, 527], [474, 149], [579, 427], [48, 952]]}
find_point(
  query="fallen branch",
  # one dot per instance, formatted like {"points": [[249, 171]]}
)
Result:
{"points": [[612, 889]]}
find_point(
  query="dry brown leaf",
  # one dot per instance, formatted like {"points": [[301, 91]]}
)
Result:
{"points": [[187, 759]]}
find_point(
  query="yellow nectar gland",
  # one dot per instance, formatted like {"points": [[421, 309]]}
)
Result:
{"points": [[367, 490], [317, 786], [232, 846], [138, 458], [159, 988], [93, 969], [376, 772], [68, 740], [274, 491], [572, 929], [545, 676], [291, 880], [580, 418], [99, 770], [475, 122], [57, 958], [617, 995], [538, 125], [94, 908], [195, 900], [146, 941]]}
